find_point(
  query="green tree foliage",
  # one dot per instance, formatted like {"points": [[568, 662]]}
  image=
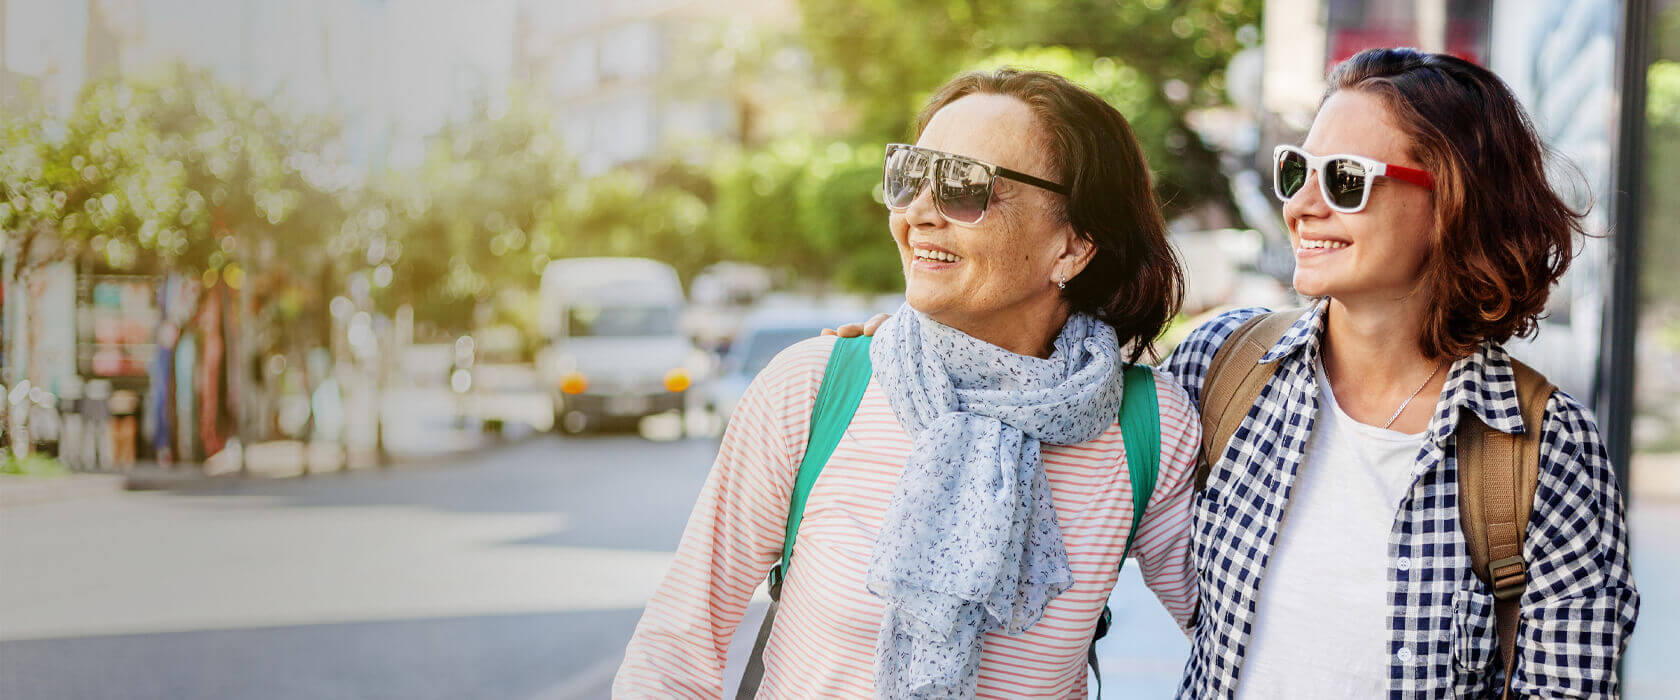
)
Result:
{"points": [[1662, 213], [497, 198], [811, 210], [466, 220], [169, 172], [635, 213], [89, 180], [888, 55]]}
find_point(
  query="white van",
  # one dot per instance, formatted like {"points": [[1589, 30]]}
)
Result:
{"points": [[615, 353]]}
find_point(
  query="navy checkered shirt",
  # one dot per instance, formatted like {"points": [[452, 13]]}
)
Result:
{"points": [[1580, 604]]}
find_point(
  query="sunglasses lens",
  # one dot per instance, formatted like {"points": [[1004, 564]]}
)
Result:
{"points": [[1345, 181], [905, 171], [963, 189], [1291, 173]]}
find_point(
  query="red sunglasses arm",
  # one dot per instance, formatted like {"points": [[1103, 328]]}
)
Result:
{"points": [[1412, 175]]}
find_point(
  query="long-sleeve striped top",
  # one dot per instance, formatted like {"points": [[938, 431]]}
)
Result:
{"points": [[823, 644]]}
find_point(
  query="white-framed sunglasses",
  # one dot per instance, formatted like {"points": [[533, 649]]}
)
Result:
{"points": [[1345, 180]]}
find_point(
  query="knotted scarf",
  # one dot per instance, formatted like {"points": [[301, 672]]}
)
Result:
{"points": [[970, 542]]}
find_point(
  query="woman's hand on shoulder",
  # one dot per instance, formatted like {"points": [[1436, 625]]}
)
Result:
{"points": [[853, 330]]}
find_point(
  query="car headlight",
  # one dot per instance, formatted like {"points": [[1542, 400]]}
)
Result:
{"points": [[677, 380], [574, 382]]}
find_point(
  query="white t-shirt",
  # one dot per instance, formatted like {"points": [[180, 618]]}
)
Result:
{"points": [[1321, 627]]}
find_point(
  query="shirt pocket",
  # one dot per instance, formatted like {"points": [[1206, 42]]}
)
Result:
{"points": [[1475, 643]]}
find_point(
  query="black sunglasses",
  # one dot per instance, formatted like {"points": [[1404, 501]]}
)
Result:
{"points": [[962, 187]]}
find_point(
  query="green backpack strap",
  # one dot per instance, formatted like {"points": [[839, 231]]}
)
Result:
{"points": [[842, 388], [1140, 427], [844, 380]]}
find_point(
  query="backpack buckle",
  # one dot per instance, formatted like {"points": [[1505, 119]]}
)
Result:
{"points": [[1508, 576], [1104, 621], [776, 575]]}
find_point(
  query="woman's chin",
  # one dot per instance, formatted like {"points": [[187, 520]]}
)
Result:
{"points": [[938, 307], [1310, 286]]}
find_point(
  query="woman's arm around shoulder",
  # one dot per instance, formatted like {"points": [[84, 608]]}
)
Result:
{"points": [[733, 536], [1162, 545], [1580, 603], [1188, 363]]}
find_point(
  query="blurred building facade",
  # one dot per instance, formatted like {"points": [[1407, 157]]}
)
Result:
{"points": [[634, 80]]}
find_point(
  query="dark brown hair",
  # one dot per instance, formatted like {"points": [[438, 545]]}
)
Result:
{"points": [[1133, 281], [1503, 236]]}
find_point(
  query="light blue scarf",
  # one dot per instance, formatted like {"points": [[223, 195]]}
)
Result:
{"points": [[970, 541]]}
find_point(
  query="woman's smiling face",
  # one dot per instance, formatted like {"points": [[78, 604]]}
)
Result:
{"points": [[1005, 268], [1379, 251]]}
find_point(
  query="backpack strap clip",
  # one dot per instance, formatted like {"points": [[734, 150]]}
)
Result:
{"points": [[1510, 577]]}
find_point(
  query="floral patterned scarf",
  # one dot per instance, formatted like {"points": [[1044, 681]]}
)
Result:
{"points": [[970, 542]]}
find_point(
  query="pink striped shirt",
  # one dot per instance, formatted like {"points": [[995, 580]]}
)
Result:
{"points": [[823, 644]]}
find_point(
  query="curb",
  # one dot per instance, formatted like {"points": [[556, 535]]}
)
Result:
{"points": [[30, 490], [17, 491], [194, 478]]}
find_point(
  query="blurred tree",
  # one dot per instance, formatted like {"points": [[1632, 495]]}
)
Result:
{"points": [[888, 55], [83, 182], [69, 186], [755, 215], [498, 197], [639, 213], [814, 212], [841, 216], [246, 179], [464, 223], [1662, 214], [176, 172]]}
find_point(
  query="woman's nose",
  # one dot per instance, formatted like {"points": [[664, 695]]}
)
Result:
{"points": [[1307, 201], [922, 210]]}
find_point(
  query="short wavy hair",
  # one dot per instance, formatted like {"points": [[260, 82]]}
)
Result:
{"points": [[1133, 282], [1503, 235]]}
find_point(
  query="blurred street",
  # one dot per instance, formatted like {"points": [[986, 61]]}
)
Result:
{"points": [[513, 573], [519, 574]]}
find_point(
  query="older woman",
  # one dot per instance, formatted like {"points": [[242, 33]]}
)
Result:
{"points": [[968, 528], [1330, 537]]}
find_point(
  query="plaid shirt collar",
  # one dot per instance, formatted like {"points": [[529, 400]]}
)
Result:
{"points": [[1483, 382]]}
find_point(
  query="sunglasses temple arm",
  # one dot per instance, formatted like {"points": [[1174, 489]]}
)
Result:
{"points": [[1412, 175], [1036, 182]]}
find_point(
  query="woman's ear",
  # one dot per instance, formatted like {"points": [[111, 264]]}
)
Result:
{"points": [[1076, 254]]}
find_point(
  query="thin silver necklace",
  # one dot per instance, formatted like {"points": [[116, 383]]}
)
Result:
{"points": [[1408, 402]]}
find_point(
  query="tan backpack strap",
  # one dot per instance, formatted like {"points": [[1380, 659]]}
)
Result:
{"points": [[1497, 476], [1233, 382]]}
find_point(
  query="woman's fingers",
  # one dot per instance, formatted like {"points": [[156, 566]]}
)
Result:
{"points": [[853, 330]]}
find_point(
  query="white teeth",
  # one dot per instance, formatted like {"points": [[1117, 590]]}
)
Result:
{"points": [[936, 256], [1309, 244]]}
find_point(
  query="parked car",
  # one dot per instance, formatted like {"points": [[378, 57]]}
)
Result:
{"points": [[614, 352], [719, 298], [763, 334]]}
